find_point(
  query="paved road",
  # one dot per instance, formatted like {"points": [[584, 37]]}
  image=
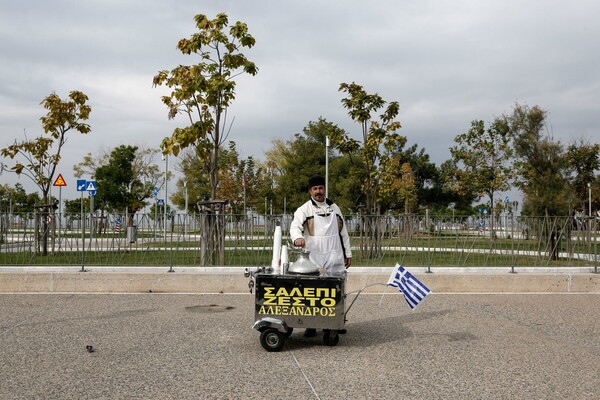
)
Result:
{"points": [[167, 346]]}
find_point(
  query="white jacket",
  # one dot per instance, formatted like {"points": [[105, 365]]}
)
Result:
{"points": [[301, 225]]}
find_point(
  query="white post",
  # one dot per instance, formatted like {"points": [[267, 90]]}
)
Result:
{"points": [[590, 199], [590, 219], [186, 210], [327, 167], [166, 157]]}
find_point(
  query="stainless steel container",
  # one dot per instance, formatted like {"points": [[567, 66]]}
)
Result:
{"points": [[303, 265]]}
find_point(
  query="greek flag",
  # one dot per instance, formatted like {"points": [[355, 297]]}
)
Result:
{"points": [[413, 290]]}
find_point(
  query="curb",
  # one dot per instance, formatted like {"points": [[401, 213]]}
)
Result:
{"points": [[232, 280]]}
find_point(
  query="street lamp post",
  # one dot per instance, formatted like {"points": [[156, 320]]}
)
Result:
{"points": [[185, 222], [589, 199], [327, 167], [166, 157], [589, 185], [590, 228]]}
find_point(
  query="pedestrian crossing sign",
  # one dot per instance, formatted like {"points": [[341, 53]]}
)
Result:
{"points": [[91, 186]]}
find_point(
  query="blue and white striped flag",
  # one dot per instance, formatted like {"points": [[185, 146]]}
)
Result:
{"points": [[413, 290]]}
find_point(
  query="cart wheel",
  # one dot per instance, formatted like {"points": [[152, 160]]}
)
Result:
{"points": [[289, 332], [272, 340], [331, 338]]}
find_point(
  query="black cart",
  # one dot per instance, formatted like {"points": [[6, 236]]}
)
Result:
{"points": [[285, 302]]}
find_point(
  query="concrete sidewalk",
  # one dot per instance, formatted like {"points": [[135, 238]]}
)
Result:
{"points": [[231, 279]]}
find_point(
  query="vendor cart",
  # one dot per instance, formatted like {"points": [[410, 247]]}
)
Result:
{"points": [[285, 302]]}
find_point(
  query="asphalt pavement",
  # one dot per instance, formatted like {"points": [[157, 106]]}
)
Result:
{"points": [[202, 346]]}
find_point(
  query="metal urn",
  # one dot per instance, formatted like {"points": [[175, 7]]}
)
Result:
{"points": [[303, 265]]}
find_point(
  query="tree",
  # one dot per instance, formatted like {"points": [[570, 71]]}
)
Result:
{"points": [[90, 164], [131, 171], [239, 176], [72, 210], [482, 157], [42, 155], [377, 132], [114, 180], [398, 185], [16, 206], [204, 91], [539, 162], [194, 179], [430, 186], [541, 170], [127, 180], [449, 188], [15, 200], [304, 156], [583, 161]]}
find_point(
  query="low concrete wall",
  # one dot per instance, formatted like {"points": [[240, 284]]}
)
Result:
{"points": [[215, 280]]}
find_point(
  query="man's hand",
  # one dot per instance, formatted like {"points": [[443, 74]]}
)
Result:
{"points": [[299, 242], [348, 262]]}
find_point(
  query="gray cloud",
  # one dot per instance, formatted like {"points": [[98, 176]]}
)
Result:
{"points": [[447, 63]]}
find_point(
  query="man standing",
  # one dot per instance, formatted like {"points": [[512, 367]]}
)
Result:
{"points": [[319, 226]]}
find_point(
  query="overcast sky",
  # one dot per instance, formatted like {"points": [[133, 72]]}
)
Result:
{"points": [[446, 62]]}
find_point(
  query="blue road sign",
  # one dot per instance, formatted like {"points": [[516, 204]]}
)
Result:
{"points": [[92, 192], [506, 200], [155, 192], [160, 202], [91, 185], [81, 185]]}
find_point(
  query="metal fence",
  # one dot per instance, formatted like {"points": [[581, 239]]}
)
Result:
{"points": [[153, 240]]}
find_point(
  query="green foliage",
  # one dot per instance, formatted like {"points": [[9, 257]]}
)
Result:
{"points": [[16, 200], [204, 91], [125, 181], [241, 178], [72, 208], [194, 177], [540, 163], [234, 175], [38, 158], [127, 177], [114, 180], [377, 133], [157, 212], [583, 161], [305, 156], [482, 159]]}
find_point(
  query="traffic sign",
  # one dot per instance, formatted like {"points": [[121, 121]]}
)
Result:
{"points": [[506, 200], [155, 192], [60, 181], [91, 185], [92, 192], [160, 202], [81, 185]]}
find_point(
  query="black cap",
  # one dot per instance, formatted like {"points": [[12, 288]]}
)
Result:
{"points": [[316, 180]]}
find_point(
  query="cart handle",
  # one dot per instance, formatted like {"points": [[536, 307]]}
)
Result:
{"points": [[358, 292]]}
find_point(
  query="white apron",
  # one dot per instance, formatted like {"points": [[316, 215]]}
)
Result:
{"points": [[325, 246]]}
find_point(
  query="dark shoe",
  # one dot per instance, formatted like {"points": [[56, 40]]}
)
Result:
{"points": [[310, 332]]}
